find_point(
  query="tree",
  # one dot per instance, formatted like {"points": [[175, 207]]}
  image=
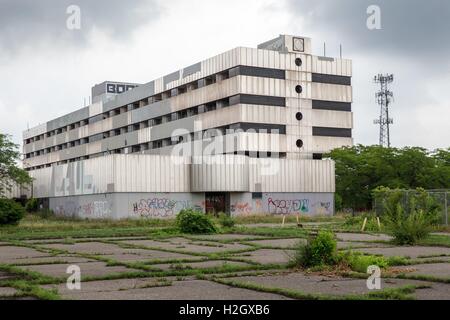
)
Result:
{"points": [[360, 169], [10, 173]]}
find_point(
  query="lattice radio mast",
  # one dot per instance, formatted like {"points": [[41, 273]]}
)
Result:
{"points": [[384, 98]]}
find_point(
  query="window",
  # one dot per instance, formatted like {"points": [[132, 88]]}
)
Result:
{"points": [[299, 143], [299, 116], [317, 156], [298, 89], [298, 62], [256, 195]]}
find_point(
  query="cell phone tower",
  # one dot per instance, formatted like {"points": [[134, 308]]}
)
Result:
{"points": [[384, 97]]}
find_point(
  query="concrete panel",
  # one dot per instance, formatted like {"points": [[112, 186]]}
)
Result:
{"points": [[298, 203], [126, 205], [67, 119]]}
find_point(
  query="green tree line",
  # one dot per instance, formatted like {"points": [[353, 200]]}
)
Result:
{"points": [[360, 169]]}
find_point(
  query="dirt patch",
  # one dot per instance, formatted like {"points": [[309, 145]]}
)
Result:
{"points": [[440, 270]]}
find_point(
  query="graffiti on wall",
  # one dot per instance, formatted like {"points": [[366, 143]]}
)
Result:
{"points": [[96, 209], [161, 207], [281, 206], [93, 209], [241, 208], [322, 207]]}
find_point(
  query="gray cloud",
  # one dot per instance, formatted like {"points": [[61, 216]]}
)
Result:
{"points": [[413, 44], [414, 28], [27, 23]]}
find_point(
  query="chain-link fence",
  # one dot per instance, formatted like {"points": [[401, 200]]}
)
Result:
{"points": [[441, 200]]}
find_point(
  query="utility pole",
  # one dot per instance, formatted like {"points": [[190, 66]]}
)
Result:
{"points": [[384, 97]]}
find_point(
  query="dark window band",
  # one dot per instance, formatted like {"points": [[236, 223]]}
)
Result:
{"points": [[258, 127], [257, 72], [256, 99], [331, 79], [332, 132], [331, 105]]}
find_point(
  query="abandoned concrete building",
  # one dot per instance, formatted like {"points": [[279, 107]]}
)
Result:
{"points": [[243, 132]]}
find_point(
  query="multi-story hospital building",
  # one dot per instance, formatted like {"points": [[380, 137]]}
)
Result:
{"points": [[243, 132]]}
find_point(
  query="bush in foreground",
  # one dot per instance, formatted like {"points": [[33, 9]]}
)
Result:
{"points": [[319, 251], [11, 212], [409, 216], [226, 220], [409, 229], [32, 205], [194, 222], [360, 262]]}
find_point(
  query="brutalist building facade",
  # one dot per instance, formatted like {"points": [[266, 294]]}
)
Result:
{"points": [[242, 132]]}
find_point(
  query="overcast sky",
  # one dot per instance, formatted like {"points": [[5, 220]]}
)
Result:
{"points": [[47, 70]]}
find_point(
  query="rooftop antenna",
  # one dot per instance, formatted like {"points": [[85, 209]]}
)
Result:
{"points": [[384, 97], [340, 50], [324, 49]]}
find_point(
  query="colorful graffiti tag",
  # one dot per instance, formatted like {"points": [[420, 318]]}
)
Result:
{"points": [[161, 207], [281, 206], [94, 209], [241, 208]]}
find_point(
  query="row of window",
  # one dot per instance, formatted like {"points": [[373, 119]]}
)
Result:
{"points": [[204, 134], [211, 106], [233, 72]]}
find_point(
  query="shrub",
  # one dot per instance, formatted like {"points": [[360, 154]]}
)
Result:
{"points": [[32, 205], [409, 216], [318, 251], [11, 212], [45, 213], [338, 205], [195, 222], [360, 262], [408, 229], [226, 220]]}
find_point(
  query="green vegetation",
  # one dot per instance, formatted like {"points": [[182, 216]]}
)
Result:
{"points": [[359, 262], [195, 222], [37, 227], [411, 219], [355, 223], [10, 174], [402, 293], [360, 169], [32, 205], [11, 212], [226, 220], [319, 251], [436, 240]]}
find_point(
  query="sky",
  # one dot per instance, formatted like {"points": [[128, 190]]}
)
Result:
{"points": [[48, 69]]}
